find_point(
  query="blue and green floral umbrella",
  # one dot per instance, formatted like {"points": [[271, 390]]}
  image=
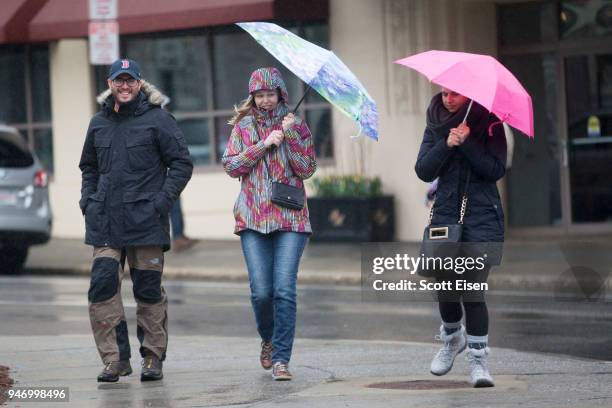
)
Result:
{"points": [[322, 70]]}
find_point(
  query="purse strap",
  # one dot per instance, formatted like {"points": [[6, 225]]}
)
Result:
{"points": [[464, 200]]}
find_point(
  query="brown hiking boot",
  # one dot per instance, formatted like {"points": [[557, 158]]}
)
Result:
{"points": [[265, 358], [280, 372], [151, 368], [114, 369]]}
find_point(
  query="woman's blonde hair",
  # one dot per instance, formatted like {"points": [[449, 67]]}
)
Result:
{"points": [[242, 110]]}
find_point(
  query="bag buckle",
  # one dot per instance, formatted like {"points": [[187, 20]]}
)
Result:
{"points": [[438, 233]]}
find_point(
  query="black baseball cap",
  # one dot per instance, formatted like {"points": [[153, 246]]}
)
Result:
{"points": [[124, 66]]}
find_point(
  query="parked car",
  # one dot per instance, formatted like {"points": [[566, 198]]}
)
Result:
{"points": [[25, 213]]}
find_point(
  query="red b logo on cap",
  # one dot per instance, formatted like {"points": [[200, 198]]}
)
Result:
{"points": [[125, 64]]}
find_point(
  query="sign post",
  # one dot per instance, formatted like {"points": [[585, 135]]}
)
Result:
{"points": [[103, 32]]}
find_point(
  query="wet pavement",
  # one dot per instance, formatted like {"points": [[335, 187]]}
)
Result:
{"points": [[344, 346], [36, 305]]}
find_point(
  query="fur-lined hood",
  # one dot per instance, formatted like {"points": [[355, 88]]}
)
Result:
{"points": [[154, 95]]}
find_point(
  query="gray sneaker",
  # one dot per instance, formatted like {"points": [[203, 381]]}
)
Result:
{"points": [[479, 372], [453, 344], [113, 370], [151, 368]]}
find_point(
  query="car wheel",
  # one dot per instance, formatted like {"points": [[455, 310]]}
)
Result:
{"points": [[12, 259]]}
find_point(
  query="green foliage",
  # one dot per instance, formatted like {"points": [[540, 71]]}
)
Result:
{"points": [[347, 186]]}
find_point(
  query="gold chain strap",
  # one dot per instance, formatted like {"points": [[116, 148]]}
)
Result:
{"points": [[431, 213], [463, 204]]}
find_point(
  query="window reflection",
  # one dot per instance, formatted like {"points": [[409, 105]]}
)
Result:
{"points": [[583, 19], [30, 114], [319, 123], [43, 146], [197, 138], [12, 82], [236, 54], [41, 96], [178, 66]]}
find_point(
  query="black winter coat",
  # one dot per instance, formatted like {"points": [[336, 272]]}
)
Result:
{"points": [[486, 157], [134, 164]]}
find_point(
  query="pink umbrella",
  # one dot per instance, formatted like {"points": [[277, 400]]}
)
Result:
{"points": [[481, 78]]}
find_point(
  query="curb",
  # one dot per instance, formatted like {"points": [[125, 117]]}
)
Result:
{"points": [[499, 281]]}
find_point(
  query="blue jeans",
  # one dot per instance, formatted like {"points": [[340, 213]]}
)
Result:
{"points": [[272, 261]]}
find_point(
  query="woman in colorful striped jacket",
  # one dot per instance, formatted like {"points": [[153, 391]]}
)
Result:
{"points": [[268, 143]]}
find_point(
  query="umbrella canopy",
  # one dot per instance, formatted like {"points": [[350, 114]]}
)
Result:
{"points": [[481, 78], [322, 70]]}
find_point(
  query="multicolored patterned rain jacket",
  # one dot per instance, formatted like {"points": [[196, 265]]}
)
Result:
{"points": [[290, 163]]}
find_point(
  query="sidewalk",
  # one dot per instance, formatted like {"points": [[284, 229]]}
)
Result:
{"points": [[536, 265], [330, 374]]}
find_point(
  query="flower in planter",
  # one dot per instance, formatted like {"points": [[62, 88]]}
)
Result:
{"points": [[348, 186]]}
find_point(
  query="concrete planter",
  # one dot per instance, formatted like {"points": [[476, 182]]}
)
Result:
{"points": [[352, 219]]}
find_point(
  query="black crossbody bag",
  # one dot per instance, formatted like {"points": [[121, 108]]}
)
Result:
{"points": [[284, 195], [442, 241]]}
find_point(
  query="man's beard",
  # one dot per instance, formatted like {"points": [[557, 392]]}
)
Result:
{"points": [[117, 97]]}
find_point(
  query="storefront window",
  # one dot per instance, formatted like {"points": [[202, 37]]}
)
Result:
{"points": [[206, 72], [533, 181], [41, 96], [319, 122], [12, 82], [585, 18], [197, 138], [223, 131], [576, 157], [589, 119], [604, 68], [235, 56], [43, 146], [23, 69], [177, 65], [536, 20]]}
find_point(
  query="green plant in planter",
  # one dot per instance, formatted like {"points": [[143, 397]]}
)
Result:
{"points": [[350, 186]]}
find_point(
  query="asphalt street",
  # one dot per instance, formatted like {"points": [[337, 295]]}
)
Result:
{"points": [[348, 352], [37, 305]]}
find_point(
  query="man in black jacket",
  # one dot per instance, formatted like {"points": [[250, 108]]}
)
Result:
{"points": [[134, 164]]}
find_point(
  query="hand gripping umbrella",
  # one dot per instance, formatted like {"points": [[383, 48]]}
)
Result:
{"points": [[481, 78], [322, 70]]}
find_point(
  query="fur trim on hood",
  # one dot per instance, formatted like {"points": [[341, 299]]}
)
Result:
{"points": [[154, 95]]}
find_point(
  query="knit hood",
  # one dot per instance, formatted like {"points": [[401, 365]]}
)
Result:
{"points": [[271, 79], [268, 78]]}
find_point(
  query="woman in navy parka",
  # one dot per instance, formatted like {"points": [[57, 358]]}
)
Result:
{"points": [[452, 150]]}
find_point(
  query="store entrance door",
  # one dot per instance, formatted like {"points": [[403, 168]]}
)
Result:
{"points": [[588, 100]]}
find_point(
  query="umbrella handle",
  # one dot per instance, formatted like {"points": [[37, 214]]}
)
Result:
{"points": [[468, 110], [301, 100]]}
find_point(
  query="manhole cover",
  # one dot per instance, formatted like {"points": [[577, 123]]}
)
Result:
{"points": [[422, 385]]}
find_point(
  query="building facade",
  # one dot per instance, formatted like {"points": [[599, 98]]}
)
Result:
{"points": [[560, 50]]}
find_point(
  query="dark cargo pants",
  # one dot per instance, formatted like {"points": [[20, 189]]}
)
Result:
{"points": [[106, 307]]}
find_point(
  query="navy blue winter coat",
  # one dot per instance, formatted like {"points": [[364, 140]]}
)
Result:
{"points": [[486, 157], [134, 164]]}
